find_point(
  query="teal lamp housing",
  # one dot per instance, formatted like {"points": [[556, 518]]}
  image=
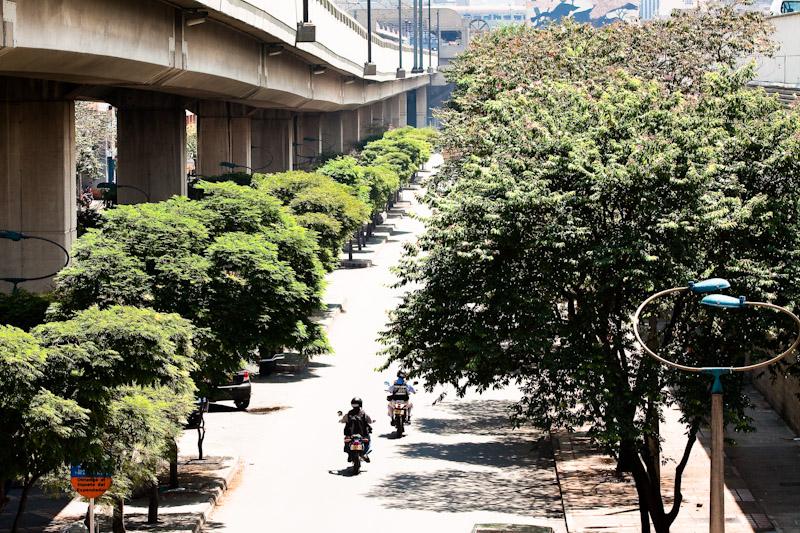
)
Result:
{"points": [[709, 285], [723, 301]]}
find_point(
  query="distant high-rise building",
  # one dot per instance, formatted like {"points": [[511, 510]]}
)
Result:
{"points": [[648, 9]]}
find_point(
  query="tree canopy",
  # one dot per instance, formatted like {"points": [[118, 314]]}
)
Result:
{"points": [[575, 188]]}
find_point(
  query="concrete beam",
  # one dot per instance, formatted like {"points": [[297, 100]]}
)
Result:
{"points": [[151, 146], [223, 134], [37, 179], [272, 136]]}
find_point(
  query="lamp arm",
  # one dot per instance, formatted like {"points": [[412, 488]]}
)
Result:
{"points": [[24, 236], [639, 337], [781, 355]]}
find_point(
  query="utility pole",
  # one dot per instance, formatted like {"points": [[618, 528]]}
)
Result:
{"points": [[415, 69]]}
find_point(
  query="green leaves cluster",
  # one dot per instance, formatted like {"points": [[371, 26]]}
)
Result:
{"points": [[586, 173], [108, 389], [235, 263]]}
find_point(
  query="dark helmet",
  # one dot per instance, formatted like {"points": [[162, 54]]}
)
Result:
{"points": [[356, 401], [401, 374]]}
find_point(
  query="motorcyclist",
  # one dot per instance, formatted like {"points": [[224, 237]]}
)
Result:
{"points": [[400, 391], [357, 422]]}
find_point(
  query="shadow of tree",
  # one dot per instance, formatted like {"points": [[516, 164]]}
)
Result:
{"points": [[515, 473], [460, 491], [477, 417]]}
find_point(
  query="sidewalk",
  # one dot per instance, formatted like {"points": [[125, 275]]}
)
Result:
{"points": [[762, 478]]}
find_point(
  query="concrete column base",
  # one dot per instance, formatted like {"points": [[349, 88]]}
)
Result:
{"points": [[37, 180], [309, 140], [422, 106], [332, 133], [151, 146], [350, 129], [223, 135], [272, 141], [364, 122]]}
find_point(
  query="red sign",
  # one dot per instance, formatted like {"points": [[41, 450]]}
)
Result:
{"points": [[91, 487]]}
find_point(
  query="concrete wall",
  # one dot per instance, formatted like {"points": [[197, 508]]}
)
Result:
{"points": [[782, 394], [784, 67]]}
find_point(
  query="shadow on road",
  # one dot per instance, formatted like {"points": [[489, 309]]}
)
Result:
{"points": [[344, 472], [512, 472]]}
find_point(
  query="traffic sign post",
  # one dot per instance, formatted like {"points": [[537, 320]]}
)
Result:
{"points": [[89, 485]]}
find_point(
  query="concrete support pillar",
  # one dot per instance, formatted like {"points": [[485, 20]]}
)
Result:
{"points": [[350, 129], [272, 137], [37, 178], [397, 110], [402, 106], [151, 146], [387, 113], [364, 122], [309, 139], [422, 106], [223, 134], [378, 123], [333, 133]]}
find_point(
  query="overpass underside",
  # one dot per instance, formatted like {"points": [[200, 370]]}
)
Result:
{"points": [[262, 99]]}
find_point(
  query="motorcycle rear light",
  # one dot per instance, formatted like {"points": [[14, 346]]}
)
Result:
{"points": [[245, 375]]}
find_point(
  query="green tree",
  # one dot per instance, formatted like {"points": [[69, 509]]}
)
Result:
{"points": [[95, 131], [129, 370], [37, 424], [569, 199], [320, 204], [162, 255], [23, 309]]}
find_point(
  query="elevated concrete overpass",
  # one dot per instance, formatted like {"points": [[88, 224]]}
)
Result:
{"points": [[274, 83]]}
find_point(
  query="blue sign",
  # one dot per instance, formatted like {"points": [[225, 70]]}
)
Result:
{"points": [[78, 471]]}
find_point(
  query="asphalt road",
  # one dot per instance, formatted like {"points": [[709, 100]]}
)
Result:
{"points": [[460, 464]]}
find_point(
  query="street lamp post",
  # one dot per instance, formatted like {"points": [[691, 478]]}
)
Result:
{"points": [[421, 63], [430, 60], [401, 73], [415, 69], [717, 502], [112, 188], [370, 69]]}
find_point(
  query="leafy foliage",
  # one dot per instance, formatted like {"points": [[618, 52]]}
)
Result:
{"points": [[320, 204], [167, 256], [575, 190], [23, 309]]}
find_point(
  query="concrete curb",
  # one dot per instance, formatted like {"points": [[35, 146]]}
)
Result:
{"points": [[231, 474]]}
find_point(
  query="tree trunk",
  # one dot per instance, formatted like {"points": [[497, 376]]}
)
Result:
{"points": [[3, 494], [173, 465], [152, 508], [118, 517], [23, 501]]}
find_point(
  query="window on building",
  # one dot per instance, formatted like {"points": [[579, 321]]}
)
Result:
{"points": [[790, 7]]}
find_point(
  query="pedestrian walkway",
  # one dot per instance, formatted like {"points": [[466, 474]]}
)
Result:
{"points": [[762, 478], [768, 462]]}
